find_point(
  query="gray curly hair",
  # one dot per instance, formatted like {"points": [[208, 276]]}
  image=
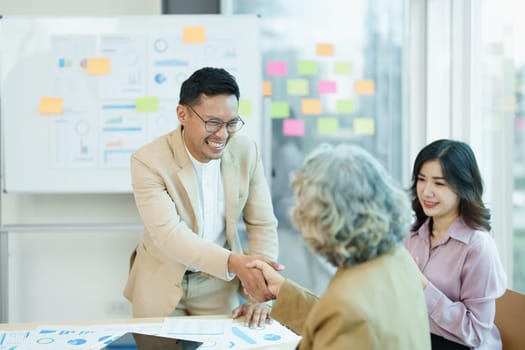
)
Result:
{"points": [[348, 209]]}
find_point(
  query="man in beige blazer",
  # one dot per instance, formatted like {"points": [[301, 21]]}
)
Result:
{"points": [[191, 187]]}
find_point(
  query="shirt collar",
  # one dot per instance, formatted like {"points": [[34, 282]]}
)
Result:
{"points": [[458, 230]]}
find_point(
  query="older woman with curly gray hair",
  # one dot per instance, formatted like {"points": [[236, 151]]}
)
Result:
{"points": [[351, 212]]}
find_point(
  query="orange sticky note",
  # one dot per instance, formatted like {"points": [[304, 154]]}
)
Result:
{"points": [[365, 87], [194, 35], [325, 49], [267, 88], [51, 105], [311, 106], [98, 66]]}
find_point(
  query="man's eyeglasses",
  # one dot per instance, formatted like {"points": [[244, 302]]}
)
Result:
{"points": [[214, 125]]}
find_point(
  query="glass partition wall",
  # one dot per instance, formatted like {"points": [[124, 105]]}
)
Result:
{"points": [[334, 71]]}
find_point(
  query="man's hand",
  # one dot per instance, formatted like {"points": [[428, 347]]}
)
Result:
{"points": [[252, 278], [255, 314], [274, 280]]}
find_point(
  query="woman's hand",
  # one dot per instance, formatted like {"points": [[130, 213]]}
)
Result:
{"points": [[255, 314], [274, 280]]}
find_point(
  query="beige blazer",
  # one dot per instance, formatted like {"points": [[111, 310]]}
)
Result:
{"points": [[378, 304], [165, 189]]}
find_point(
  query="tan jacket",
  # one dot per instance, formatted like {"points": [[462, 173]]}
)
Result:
{"points": [[165, 189], [378, 304]]}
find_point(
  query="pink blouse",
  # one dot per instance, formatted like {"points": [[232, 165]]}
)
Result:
{"points": [[465, 277]]}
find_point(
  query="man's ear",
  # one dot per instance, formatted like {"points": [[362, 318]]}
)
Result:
{"points": [[182, 113]]}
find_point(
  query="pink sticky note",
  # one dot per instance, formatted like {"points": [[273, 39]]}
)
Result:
{"points": [[293, 127], [276, 68], [327, 87]]}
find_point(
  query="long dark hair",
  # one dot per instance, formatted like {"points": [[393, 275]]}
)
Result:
{"points": [[461, 172]]}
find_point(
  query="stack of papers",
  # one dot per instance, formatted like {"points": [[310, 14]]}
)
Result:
{"points": [[214, 333]]}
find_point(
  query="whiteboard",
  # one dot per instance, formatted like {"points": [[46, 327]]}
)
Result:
{"points": [[80, 94]]}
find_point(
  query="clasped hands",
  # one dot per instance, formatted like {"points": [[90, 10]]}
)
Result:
{"points": [[258, 275], [261, 282]]}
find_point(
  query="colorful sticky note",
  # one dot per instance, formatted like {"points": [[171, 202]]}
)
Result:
{"points": [[245, 107], [280, 109], [297, 87], [325, 49], [98, 65], [293, 127], [344, 106], [364, 126], [311, 106], [147, 104], [267, 88], [51, 105], [327, 126], [327, 87], [307, 67], [365, 87], [193, 35], [276, 68], [343, 68]]}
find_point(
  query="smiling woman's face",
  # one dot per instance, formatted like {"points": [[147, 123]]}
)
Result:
{"points": [[434, 194]]}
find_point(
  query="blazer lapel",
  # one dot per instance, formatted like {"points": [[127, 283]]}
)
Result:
{"points": [[230, 171], [186, 174]]}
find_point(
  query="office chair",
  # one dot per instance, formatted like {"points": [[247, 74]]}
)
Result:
{"points": [[510, 319]]}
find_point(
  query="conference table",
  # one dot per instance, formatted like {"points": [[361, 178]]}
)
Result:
{"points": [[216, 332]]}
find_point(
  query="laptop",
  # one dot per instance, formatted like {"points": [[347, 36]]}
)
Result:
{"points": [[129, 341]]}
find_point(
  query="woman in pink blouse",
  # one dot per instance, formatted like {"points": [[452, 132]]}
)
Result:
{"points": [[460, 268]]}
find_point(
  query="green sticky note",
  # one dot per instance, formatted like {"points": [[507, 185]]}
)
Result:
{"points": [[327, 126], [297, 87], [147, 104], [245, 107], [364, 126], [344, 106], [343, 68], [307, 67], [280, 109]]}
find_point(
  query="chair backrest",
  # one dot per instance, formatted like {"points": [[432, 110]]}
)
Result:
{"points": [[510, 319]]}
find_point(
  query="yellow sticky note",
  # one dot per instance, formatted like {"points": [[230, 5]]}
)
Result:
{"points": [[267, 88], [326, 126], [311, 106], [344, 106], [364, 126], [147, 104], [325, 49], [297, 87], [245, 107], [365, 87], [343, 68], [307, 67], [194, 35], [280, 109], [51, 105], [98, 66]]}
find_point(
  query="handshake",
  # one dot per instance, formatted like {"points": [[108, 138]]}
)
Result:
{"points": [[258, 275]]}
